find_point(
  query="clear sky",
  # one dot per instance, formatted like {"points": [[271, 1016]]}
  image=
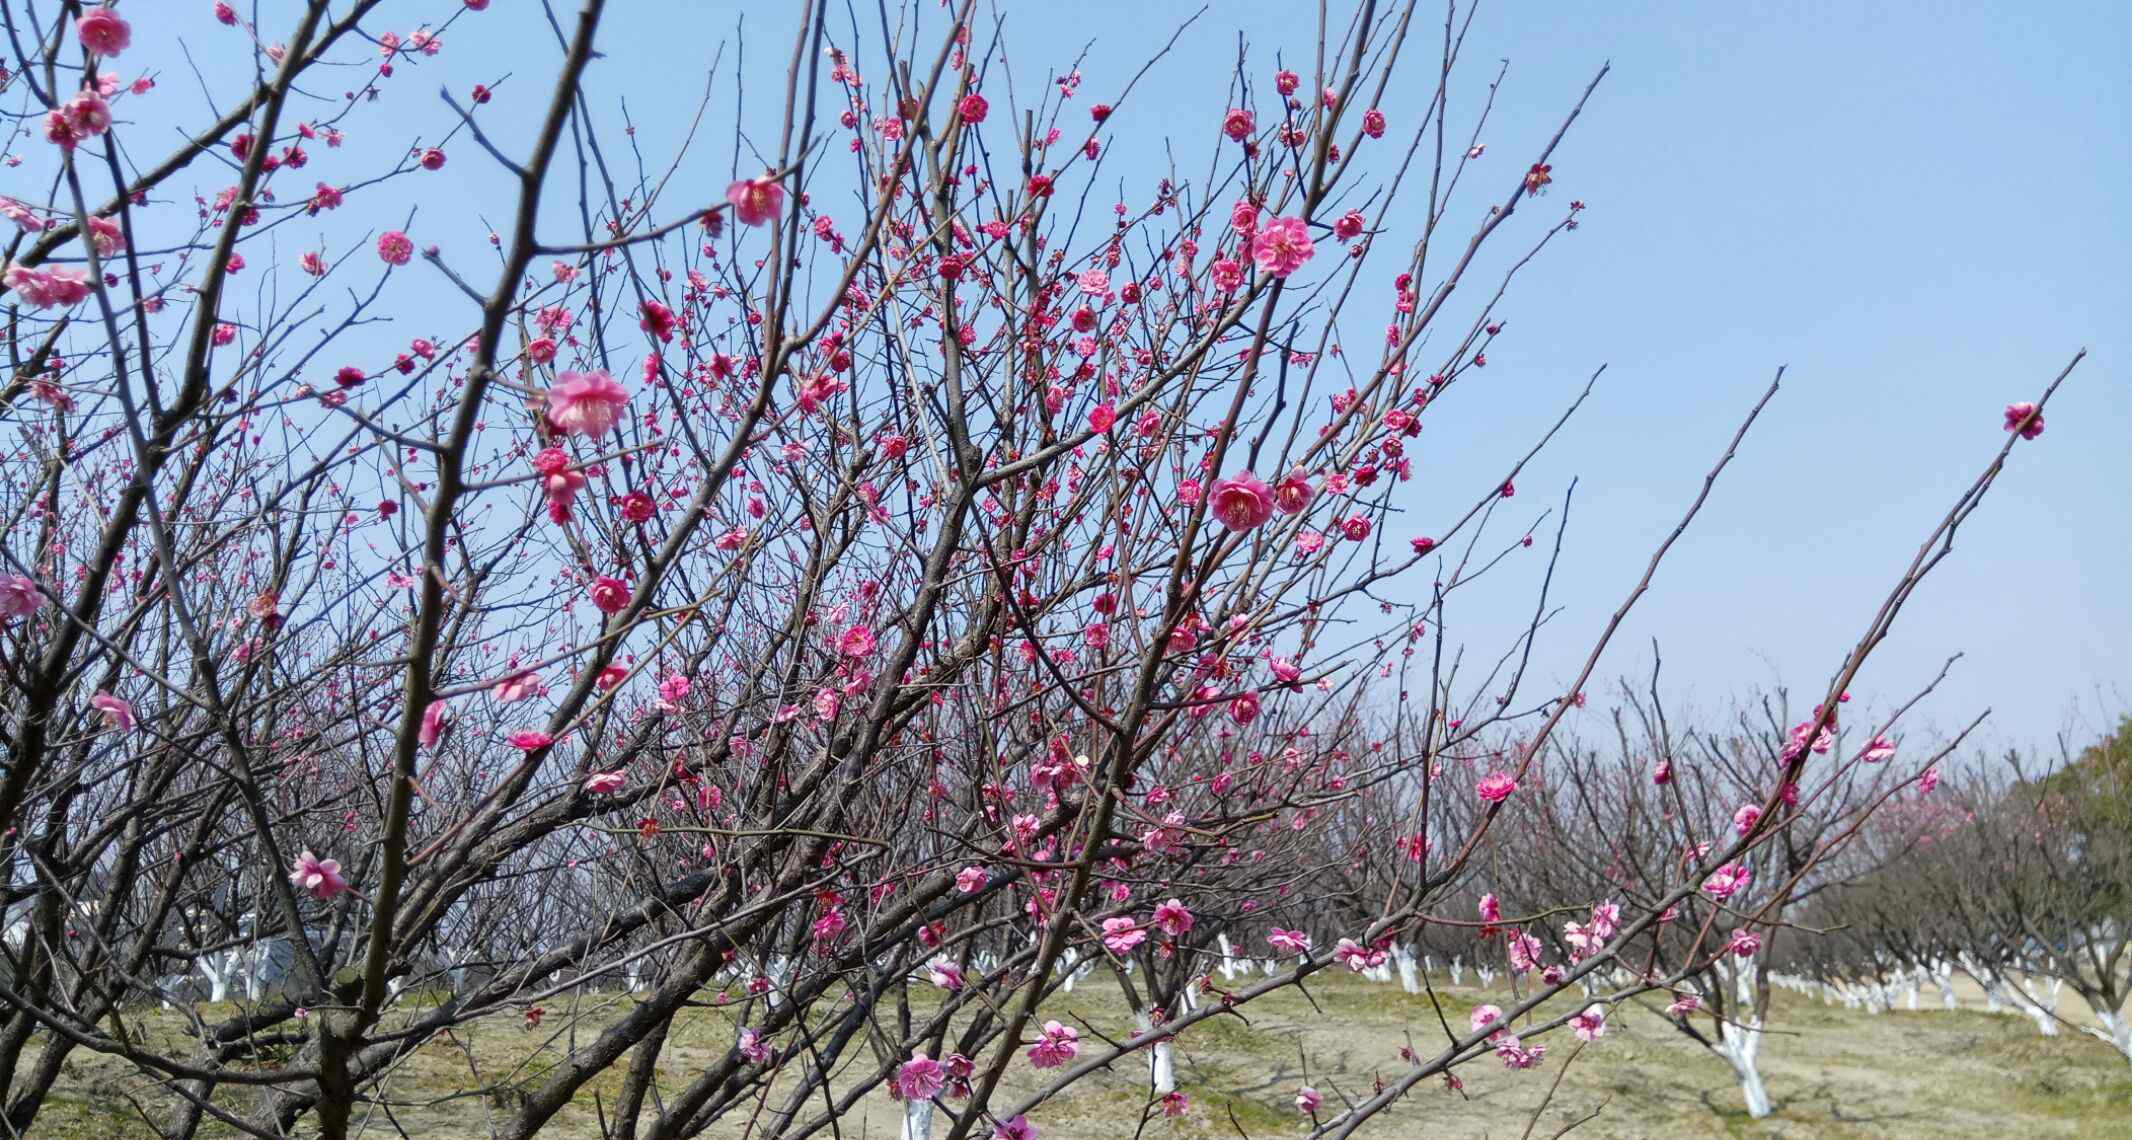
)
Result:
{"points": [[1918, 207]]}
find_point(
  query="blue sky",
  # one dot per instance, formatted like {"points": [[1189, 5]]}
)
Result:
{"points": [[1919, 208]]}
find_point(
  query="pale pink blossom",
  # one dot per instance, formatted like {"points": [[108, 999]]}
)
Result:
{"points": [[944, 974], [432, 725], [117, 713], [47, 286], [18, 597], [586, 403], [1743, 820], [321, 877], [1589, 1025], [1281, 246], [1288, 941], [1057, 1045], [1241, 502], [518, 687], [858, 641], [1120, 935], [1727, 881]]}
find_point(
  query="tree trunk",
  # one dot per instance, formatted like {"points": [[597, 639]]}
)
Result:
{"points": [[918, 1120]]}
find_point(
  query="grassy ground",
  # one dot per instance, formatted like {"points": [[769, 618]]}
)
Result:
{"points": [[1832, 1073]]}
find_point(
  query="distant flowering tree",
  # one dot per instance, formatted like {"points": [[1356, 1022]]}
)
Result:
{"points": [[892, 567], [2019, 877]]}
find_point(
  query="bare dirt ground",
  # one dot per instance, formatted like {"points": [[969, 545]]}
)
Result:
{"points": [[1832, 1072]]}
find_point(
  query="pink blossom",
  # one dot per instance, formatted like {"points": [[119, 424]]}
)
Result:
{"points": [[2024, 418], [1727, 881], [1014, 1128], [1282, 246], [87, 114], [1288, 941], [755, 200], [1120, 935], [1058, 1045], [18, 597], [528, 740], [1744, 943], [395, 248], [1684, 1005], [1241, 502], [858, 641], [1307, 1100], [970, 880], [751, 1046], [1491, 910], [1524, 952], [518, 687], [117, 713], [1879, 750], [1928, 781], [585, 403], [321, 877], [1589, 1025], [611, 595], [920, 1078], [1238, 124], [1512, 1053], [1743, 820], [103, 31], [45, 287], [1227, 274], [1292, 495], [1172, 918], [945, 974], [432, 725], [108, 237], [972, 108], [1495, 787], [601, 783], [1485, 1016], [1175, 1104]]}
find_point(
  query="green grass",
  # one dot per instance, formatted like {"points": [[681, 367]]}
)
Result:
{"points": [[1834, 1073]]}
